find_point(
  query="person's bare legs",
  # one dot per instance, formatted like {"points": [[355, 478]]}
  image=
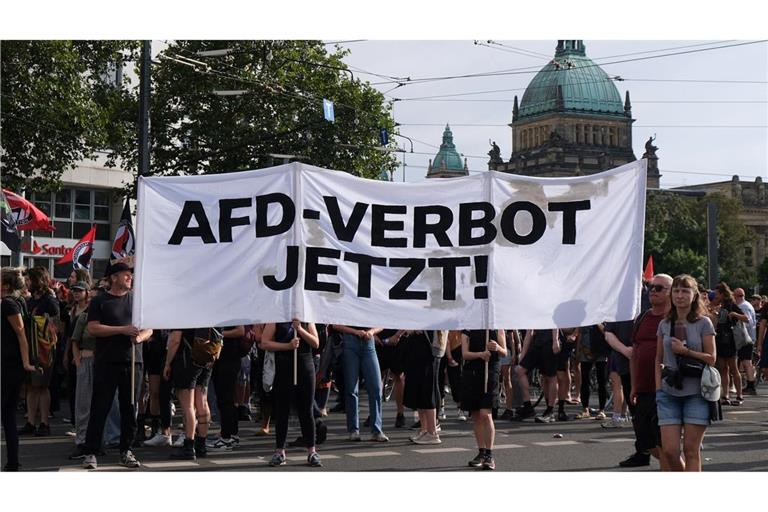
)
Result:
{"points": [[733, 367], [670, 447], [692, 437], [203, 412]]}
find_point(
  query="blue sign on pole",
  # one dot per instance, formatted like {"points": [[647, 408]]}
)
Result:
{"points": [[383, 136], [328, 110]]}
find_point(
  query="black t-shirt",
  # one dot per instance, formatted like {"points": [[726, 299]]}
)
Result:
{"points": [[284, 333], [724, 325], [623, 331], [230, 349], [542, 337], [47, 304], [477, 341], [113, 310], [11, 353]]}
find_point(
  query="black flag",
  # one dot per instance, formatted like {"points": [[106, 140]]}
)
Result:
{"points": [[10, 235], [125, 242]]}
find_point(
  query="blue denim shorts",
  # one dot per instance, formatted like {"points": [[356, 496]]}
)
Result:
{"points": [[679, 410]]}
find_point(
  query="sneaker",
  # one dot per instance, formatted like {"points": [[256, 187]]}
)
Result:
{"points": [[507, 414], [636, 460], [489, 462], [201, 450], [236, 440], [179, 442], [379, 437], [354, 436], [278, 459], [314, 460], [584, 415], [600, 416], [323, 412], [77, 453], [184, 453], [221, 445], [524, 412], [545, 418], [427, 438], [615, 422], [400, 421], [417, 436], [27, 429], [158, 440], [461, 416], [128, 460], [477, 461], [89, 462], [441, 414], [43, 430], [416, 425], [438, 428], [70, 433], [562, 416]]}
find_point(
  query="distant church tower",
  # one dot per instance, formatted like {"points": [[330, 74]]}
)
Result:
{"points": [[447, 162], [571, 121]]}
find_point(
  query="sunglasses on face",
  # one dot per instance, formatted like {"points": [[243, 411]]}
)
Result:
{"points": [[657, 288]]}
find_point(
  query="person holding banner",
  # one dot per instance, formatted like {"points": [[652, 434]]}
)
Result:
{"points": [[110, 322], [425, 349], [359, 355], [292, 343], [481, 351]]}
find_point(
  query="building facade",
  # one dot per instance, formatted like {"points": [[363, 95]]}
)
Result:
{"points": [[447, 162]]}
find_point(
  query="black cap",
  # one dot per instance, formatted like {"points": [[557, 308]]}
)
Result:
{"points": [[117, 267]]}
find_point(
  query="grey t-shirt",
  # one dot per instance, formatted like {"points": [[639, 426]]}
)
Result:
{"points": [[695, 333]]}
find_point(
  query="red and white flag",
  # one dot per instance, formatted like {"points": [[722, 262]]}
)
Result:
{"points": [[125, 242], [80, 254], [648, 274], [27, 216]]}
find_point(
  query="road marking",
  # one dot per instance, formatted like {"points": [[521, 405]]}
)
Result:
{"points": [[47, 440], [556, 443], [172, 464], [359, 455], [613, 440], [723, 434], [99, 468], [441, 450], [744, 412], [303, 458], [241, 460], [507, 446]]}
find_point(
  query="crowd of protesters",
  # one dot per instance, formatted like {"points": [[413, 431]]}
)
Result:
{"points": [[124, 384]]}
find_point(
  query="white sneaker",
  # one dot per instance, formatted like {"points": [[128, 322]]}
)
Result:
{"points": [[438, 428], [615, 422], [354, 436], [418, 436], [379, 437], [441, 415], [428, 438], [89, 462], [461, 416], [158, 440], [179, 440], [221, 445], [236, 440]]}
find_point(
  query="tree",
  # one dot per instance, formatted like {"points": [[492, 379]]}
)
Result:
{"points": [[676, 236], [57, 108], [278, 110]]}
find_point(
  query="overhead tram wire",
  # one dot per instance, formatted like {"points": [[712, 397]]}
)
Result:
{"points": [[488, 125], [510, 100]]}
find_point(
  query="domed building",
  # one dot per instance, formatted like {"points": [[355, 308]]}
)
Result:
{"points": [[571, 121], [447, 162]]}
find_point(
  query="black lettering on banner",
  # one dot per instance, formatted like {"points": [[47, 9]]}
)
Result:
{"points": [[449, 266], [569, 209], [183, 229], [311, 214], [481, 276], [507, 224], [467, 224], [226, 221], [344, 232], [364, 264], [314, 268], [263, 229], [439, 230], [380, 225], [291, 271], [400, 290]]}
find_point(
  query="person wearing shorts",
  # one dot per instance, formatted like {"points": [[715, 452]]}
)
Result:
{"points": [[391, 355], [159, 391], [540, 349]]}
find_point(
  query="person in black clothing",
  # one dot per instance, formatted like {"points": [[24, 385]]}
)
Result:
{"points": [[725, 316], [593, 350], [159, 391], [41, 302], [224, 377], [421, 391], [480, 391], [541, 349], [14, 357], [292, 343], [391, 356], [109, 320]]}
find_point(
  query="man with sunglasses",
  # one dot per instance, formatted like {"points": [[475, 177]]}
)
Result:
{"points": [[642, 375]]}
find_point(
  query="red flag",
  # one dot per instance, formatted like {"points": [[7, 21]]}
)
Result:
{"points": [[80, 254], [648, 274], [34, 248], [27, 216], [124, 243]]}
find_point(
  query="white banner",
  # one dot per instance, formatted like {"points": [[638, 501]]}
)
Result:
{"points": [[492, 250]]}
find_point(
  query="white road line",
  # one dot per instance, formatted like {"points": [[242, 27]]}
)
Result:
{"points": [[556, 443], [614, 440], [743, 412], [241, 460], [441, 450], [360, 455], [507, 446], [303, 458], [722, 434], [171, 464]]}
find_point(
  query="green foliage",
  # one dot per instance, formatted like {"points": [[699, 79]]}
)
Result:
{"points": [[676, 236], [57, 109], [194, 131]]}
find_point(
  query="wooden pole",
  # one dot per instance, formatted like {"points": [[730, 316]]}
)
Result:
{"points": [[133, 374], [295, 364]]}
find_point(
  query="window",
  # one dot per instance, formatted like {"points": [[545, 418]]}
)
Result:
{"points": [[74, 211]]}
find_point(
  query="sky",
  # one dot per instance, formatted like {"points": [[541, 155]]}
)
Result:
{"points": [[709, 123]]}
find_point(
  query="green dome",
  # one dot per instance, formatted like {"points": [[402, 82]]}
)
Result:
{"points": [[571, 82], [448, 155]]}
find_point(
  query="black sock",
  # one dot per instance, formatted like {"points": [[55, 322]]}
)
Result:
{"points": [[561, 406], [527, 404], [548, 410], [482, 451], [189, 443], [488, 452]]}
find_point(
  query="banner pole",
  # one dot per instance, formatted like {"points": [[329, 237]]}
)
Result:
{"points": [[485, 376], [295, 364], [133, 374]]}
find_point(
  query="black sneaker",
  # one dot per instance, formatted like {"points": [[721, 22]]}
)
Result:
{"points": [[636, 460], [508, 414], [314, 460], [27, 429], [278, 459], [43, 430], [488, 462], [184, 453], [562, 416], [201, 450], [77, 453], [477, 461], [416, 426], [400, 421], [524, 412]]}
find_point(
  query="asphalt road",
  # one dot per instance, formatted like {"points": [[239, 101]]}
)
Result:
{"points": [[740, 443]]}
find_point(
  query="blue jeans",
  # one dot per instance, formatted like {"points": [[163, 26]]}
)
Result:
{"points": [[360, 355]]}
